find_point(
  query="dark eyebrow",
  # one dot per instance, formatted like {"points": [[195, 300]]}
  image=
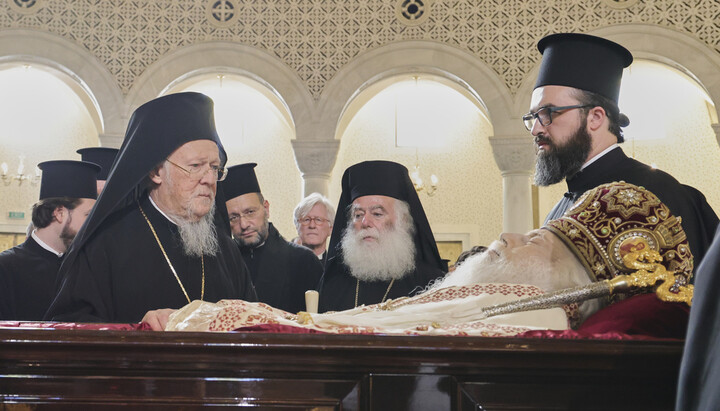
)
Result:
{"points": [[548, 105]]}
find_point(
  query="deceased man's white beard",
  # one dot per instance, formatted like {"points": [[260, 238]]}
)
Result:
{"points": [[390, 257], [533, 270], [482, 268], [198, 237]]}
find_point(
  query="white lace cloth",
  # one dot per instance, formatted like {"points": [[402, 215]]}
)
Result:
{"points": [[447, 311]]}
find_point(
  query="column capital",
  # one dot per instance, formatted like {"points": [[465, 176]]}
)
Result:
{"points": [[111, 140], [514, 155], [316, 158]]}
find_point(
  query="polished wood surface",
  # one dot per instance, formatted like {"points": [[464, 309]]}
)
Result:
{"points": [[83, 369]]}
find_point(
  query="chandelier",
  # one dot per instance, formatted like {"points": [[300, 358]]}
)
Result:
{"points": [[20, 176], [418, 182], [413, 119]]}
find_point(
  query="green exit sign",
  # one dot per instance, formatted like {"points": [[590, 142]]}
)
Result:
{"points": [[16, 215]]}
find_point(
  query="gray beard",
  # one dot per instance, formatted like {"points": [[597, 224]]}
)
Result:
{"points": [[390, 258], [559, 162], [199, 237]]}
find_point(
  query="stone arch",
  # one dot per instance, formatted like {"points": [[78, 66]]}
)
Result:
{"points": [[512, 146], [317, 158], [418, 56], [671, 46], [232, 58], [102, 98]]}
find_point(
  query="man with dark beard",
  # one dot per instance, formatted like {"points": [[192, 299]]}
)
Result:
{"points": [[577, 125], [281, 271], [28, 272], [381, 246], [158, 236]]}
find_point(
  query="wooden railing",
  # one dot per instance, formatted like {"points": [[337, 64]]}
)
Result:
{"points": [[83, 369]]}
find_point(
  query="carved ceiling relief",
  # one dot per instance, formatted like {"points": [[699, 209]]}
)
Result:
{"points": [[317, 38]]}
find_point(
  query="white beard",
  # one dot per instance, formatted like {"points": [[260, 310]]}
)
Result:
{"points": [[561, 274], [199, 237], [391, 257], [483, 268]]}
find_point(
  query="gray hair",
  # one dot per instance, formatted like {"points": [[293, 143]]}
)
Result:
{"points": [[307, 203]]}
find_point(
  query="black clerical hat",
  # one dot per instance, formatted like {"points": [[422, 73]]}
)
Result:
{"points": [[68, 178], [102, 156], [241, 179], [584, 62], [377, 178]]}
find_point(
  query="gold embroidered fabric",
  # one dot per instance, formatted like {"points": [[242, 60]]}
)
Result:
{"points": [[616, 219]]}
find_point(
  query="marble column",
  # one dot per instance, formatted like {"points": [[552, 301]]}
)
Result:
{"points": [[315, 159], [515, 156]]}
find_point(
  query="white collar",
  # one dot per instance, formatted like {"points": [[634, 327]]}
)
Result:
{"points": [[44, 245], [597, 157], [161, 211]]}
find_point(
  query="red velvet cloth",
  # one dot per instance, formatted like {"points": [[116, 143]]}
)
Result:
{"points": [[278, 328], [640, 317], [73, 326]]}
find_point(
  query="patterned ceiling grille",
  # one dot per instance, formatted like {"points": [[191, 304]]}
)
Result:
{"points": [[317, 38], [222, 13], [620, 4], [413, 12], [25, 6]]}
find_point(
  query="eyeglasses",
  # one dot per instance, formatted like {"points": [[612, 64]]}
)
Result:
{"points": [[317, 220], [545, 115], [247, 214], [197, 172]]}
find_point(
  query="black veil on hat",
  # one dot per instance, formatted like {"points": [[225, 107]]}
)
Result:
{"points": [[241, 179], [388, 179], [584, 62], [68, 178], [156, 129], [102, 156]]}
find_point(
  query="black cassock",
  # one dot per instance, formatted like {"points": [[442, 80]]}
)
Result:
{"points": [[338, 287], [698, 218], [282, 271], [700, 368], [28, 273], [121, 273]]}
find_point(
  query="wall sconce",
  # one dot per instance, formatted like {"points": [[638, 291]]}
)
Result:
{"points": [[418, 182], [20, 176]]}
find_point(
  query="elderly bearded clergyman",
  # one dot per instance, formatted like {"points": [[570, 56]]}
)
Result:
{"points": [[381, 246], [593, 241], [158, 236]]}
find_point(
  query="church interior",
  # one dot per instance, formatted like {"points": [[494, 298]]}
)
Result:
{"points": [[305, 89]]}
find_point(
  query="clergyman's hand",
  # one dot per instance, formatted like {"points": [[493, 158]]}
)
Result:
{"points": [[158, 319]]}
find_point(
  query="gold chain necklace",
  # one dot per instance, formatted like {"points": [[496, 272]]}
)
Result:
{"points": [[202, 260], [357, 291]]}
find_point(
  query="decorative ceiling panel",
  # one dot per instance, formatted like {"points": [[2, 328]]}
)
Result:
{"points": [[318, 37]]}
